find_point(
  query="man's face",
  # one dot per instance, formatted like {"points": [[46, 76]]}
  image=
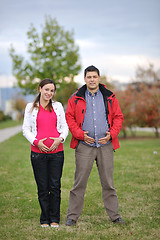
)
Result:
{"points": [[92, 81]]}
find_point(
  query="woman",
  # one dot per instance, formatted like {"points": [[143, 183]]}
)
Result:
{"points": [[46, 129]]}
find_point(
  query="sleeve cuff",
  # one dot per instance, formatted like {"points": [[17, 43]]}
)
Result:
{"points": [[36, 142]]}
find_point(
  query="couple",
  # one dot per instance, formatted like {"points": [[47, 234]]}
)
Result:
{"points": [[94, 119]]}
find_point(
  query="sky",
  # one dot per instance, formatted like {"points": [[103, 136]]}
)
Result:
{"points": [[116, 36]]}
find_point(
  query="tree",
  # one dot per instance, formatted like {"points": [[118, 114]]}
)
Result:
{"points": [[147, 108], [52, 54], [19, 105], [105, 80], [145, 91], [1, 115], [126, 101], [147, 75], [70, 88]]}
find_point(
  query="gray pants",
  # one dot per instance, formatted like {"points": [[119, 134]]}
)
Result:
{"points": [[85, 156]]}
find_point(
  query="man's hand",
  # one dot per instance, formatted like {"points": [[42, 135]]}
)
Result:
{"points": [[88, 139], [55, 144], [105, 139], [42, 147]]}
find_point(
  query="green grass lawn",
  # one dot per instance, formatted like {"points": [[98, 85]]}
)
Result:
{"points": [[136, 178], [9, 123]]}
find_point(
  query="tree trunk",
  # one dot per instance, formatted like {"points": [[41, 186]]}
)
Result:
{"points": [[157, 133], [132, 132], [124, 134]]}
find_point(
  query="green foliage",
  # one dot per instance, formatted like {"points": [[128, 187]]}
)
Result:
{"points": [[136, 178], [53, 54], [1, 115], [65, 91], [4, 117]]}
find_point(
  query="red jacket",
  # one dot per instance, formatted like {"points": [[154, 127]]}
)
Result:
{"points": [[76, 110]]}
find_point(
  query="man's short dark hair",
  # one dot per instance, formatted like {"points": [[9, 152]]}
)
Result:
{"points": [[91, 69]]}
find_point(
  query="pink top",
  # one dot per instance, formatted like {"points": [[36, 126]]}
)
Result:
{"points": [[46, 127]]}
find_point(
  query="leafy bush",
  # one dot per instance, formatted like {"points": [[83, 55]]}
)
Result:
{"points": [[1, 115], [4, 117]]}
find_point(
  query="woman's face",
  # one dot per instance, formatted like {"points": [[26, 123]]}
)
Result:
{"points": [[47, 91]]}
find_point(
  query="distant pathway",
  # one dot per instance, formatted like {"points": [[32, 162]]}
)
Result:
{"points": [[6, 133]]}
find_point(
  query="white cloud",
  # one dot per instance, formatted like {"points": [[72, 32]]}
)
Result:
{"points": [[118, 67]]}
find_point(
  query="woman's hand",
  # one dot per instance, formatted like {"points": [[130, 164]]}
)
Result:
{"points": [[55, 144], [42, 147]]}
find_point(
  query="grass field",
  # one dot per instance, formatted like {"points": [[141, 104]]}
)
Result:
{"points": [[9, 123], [136, 178]]}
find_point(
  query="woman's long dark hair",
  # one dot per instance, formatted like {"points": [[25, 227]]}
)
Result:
{"points": [[37, 99]]}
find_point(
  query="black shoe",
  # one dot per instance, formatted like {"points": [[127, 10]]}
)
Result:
{"points": [[70, 222], [119, 221]]}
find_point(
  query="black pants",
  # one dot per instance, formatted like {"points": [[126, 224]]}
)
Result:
{"points": [[47, 170]]}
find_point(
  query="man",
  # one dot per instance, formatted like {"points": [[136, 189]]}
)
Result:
{"points": [[94, 118]]}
